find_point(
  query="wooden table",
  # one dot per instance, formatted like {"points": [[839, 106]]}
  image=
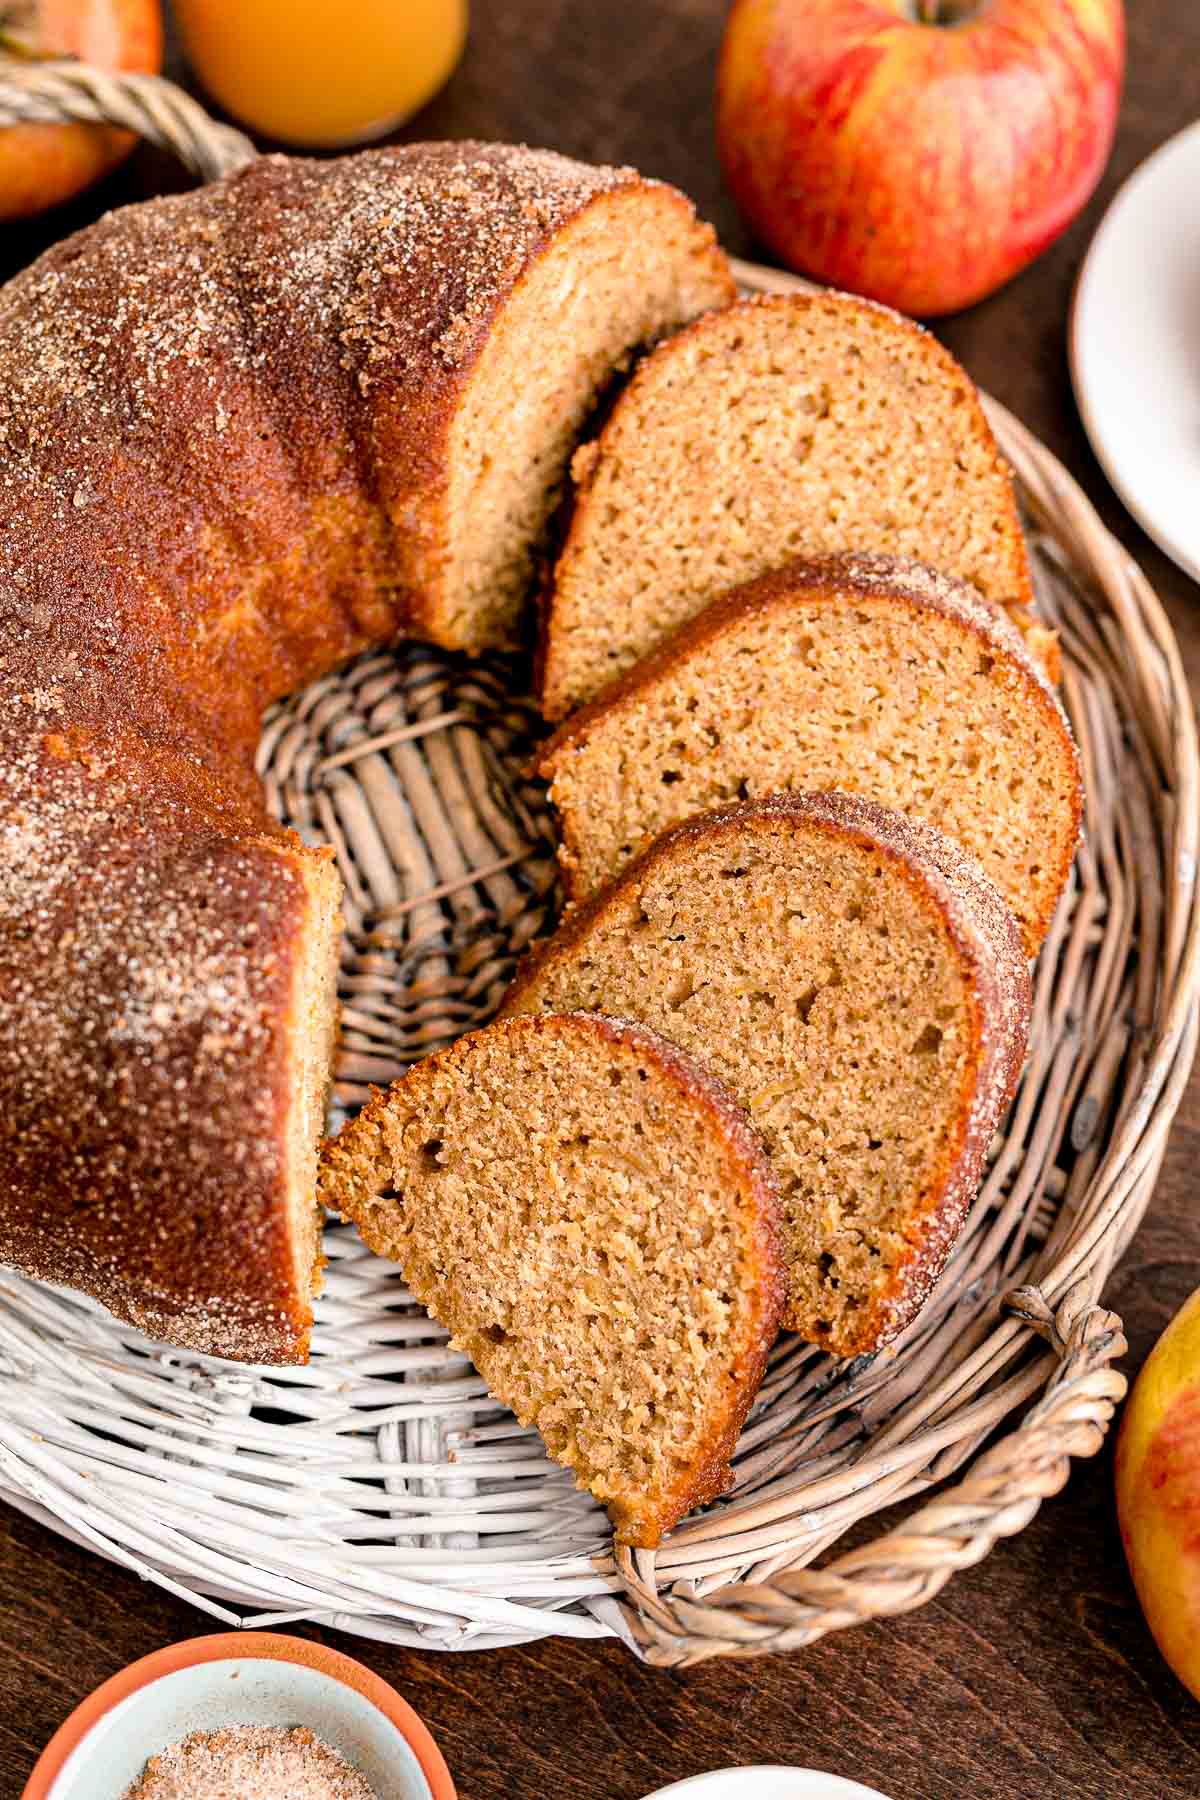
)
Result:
{"points": [[1032, 1676]]}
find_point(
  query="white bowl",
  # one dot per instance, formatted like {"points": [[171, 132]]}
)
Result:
{"points": [[773, 1782], [239, 1678]]}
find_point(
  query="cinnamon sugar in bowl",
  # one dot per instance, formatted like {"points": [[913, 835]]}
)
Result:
{"points": [[242, 1694], [251, 1762]]}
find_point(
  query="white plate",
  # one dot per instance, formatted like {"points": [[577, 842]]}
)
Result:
{"points": [[773, 1783], [1135, 346]]}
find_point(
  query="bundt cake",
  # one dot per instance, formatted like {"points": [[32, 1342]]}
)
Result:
{"points": [[245, 432], [856, 980], [869, 674], [783, 426], [590, 1215]]}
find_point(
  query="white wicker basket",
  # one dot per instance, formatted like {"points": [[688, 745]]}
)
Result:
{"points": [[380, 1490]]}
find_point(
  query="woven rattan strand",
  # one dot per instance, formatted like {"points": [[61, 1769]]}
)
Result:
{"points": [[380, 1490]]}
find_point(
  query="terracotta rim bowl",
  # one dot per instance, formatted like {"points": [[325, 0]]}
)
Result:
{"points": [[239, 1645]]}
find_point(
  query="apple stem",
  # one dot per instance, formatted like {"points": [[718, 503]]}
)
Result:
{"points": [[944, 12]]}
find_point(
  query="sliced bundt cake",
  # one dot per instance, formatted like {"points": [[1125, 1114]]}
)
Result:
{"points": [[775, 428], [589, 1214], [869, 674], [859, 984], [244, 433]]}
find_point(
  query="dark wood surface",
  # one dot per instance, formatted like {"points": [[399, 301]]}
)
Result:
{"points": [[1033, 1675]]}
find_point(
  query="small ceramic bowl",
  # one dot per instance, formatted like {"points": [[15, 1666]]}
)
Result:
{"points": [[239, 1678], [772, 1782]]}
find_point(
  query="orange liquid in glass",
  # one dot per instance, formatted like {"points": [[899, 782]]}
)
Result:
{"points": [[322, 72]]}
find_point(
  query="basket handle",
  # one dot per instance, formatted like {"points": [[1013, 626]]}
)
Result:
{"points": [[64, 91], [905, 1568]]}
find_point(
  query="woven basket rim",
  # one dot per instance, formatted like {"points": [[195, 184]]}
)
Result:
{"points": [[1070, 1391]]}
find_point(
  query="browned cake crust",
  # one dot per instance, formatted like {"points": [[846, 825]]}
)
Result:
{"points": [[979, 937], [498, 1071], [714, 732], [146, 1061], [226, 422]]}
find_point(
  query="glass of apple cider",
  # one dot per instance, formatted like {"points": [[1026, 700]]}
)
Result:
{"points": [[322, 73]]}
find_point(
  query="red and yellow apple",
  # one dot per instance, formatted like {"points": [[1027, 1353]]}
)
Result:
{"points": [[917, 151], [43, 164], [1158, 1491]]}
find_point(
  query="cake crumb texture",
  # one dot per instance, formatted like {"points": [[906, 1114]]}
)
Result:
{"points": [[857, 982], [589, 1214], [778, 427]]}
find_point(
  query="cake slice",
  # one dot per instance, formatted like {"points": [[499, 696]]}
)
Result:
{"points": [[855, 979], [777, 427], [866, 673], [587, 1211]]}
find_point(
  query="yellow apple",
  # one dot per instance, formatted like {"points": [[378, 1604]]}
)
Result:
{"points": [[1158, 1491]]}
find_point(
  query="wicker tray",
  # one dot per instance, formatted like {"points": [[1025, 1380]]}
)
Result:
{"points": [[380, 1490]]}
